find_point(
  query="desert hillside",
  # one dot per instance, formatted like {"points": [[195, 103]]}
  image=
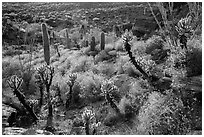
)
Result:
{"points": [[101, 68]]}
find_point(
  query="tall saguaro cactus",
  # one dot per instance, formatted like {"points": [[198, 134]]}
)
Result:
{"points": [[46, 44], [68, 41], [102, 41], [93, 43]]}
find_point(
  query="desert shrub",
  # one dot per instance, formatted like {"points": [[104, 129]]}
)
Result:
{"points": [[29, 86], [126, 108], [138, 48], [12, 52], [123, 82], [134, 99], [153, 43], [90, 84], [162, 115], [107, 69], [82, 64], [10, 68]]}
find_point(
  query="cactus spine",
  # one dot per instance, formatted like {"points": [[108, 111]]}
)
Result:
{"points": [[93, 43], [46, 44], [102, 41]]}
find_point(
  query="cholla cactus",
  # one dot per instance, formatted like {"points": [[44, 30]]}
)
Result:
{"points": [[146, 64], [127, 37], [72, 79], [107, 89], [15, 83], [185, 30], [40, 84], [87, 116], [46, 74]]}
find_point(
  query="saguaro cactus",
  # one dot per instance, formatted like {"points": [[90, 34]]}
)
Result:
{"points": [[93, 43], [46, 44], [102, 41], [68, 41]]}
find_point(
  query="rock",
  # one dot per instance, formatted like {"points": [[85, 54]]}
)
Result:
{"points": [[92, 53], [78, 131], [102, 56], [36, 132], [112, 52], [195, 132], [194, 83]]}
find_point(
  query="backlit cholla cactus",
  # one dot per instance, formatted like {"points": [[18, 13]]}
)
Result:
{"points": [[185, 30], [107, 89], [46, 74], [15, 83], [146, 64], [87, 116], [127, 37]]}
